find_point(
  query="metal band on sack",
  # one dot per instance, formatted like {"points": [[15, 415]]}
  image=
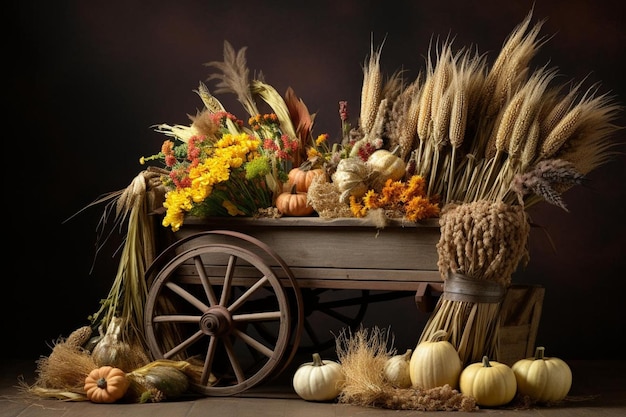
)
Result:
{"points": [[458, 287]]}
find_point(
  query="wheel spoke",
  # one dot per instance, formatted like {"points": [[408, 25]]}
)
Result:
{"points": [[176, 318], [184, 344], [311, 333], [234, 363], [264, 316], [242, 299], [208, 361], [260, 347], [208, 289], [334, 314], [228, 279], [190, 298]]}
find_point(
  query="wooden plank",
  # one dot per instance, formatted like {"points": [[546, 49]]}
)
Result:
{"points": [[308, 274], [306, 242], [230, 223]]}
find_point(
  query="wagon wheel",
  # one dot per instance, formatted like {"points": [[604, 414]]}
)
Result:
{"points": [[330, 310], [200, 307], [296, 302]]}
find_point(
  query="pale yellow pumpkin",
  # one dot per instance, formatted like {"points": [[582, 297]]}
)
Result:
{"points": [[387, 165], [491, 383], [435, 363], [396, 370], [319, 380], [541, 378]]}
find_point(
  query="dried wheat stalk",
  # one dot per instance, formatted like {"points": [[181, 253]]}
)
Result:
{"points": [[371, 91]]}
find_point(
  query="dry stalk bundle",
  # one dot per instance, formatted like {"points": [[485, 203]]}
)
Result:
{"points": [[476, 127], [61, 375], [480, 247]]}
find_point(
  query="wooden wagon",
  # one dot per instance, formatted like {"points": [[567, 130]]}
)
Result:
{"points": [[239, 296]]}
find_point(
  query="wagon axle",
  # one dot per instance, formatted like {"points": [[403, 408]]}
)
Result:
{"points": [[217, 321]]}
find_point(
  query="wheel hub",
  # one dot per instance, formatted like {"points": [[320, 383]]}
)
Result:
{"points": [[217, 321]]}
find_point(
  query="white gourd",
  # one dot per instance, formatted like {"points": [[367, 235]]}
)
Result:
{"points": [[351, 178], [397, 370]]}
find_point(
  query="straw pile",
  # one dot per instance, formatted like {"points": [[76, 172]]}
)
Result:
{"points": [[363, 355]]}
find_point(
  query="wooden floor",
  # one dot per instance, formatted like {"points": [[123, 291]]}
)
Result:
{"points": [[598, 390]]}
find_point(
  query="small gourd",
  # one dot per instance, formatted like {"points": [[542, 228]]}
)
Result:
{"points": [[351, 178], [396, 370], [171, 381], [294, 203], [320, 380], [435, 363], [541, 378], [387, 165], [302, 177], [106, 384], [113, 350], [491, 383]]}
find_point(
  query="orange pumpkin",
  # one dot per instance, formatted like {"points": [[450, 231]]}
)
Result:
{"points": [[293, 203], [303, 176], [106, 384]]}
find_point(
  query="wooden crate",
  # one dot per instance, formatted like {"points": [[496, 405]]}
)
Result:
{"points": [[519, 321]]}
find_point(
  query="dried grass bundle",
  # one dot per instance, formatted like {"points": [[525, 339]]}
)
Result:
{"points": [[134, 206], [363, 355], [61, 375]]}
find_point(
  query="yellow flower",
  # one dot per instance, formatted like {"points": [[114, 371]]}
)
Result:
{"points": [[357, 209], [370, 200]]}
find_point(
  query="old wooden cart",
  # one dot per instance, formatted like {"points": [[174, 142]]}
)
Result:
{"points": [[241, 295]]}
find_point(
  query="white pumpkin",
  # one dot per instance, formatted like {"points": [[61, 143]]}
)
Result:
{"points": [[397, 370], [320, 380]]}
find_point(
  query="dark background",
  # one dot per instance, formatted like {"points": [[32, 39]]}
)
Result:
{"points": [[87, 79]]}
